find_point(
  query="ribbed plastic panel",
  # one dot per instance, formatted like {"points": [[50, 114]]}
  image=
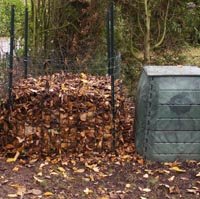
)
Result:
{"points": [[168, 116]]}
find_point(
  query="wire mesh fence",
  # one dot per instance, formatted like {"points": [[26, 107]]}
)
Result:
{"points": [[46, 66], [3, 76], [53, 103], [64, 107]]}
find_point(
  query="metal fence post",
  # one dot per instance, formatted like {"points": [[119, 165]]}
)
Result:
{"points": [[12, 36], [26, 42], [108, 40], [111, 63]]}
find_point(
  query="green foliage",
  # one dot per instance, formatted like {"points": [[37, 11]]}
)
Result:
{"points": [[98, 65], [76, 30], [190, 20], [168, 58], [5, 17], [130, 74]]}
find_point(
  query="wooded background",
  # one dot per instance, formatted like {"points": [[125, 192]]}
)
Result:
{"points": [[146, 31]]}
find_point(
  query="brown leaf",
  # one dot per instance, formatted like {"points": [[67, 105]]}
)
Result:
{"points": [[177, 169], [16, 169], [38, 179], [103, 197], [193, 190], [65, 112], [87, 191], [13, 159], [21, 191], [12, 195], [128, 185], [140, 161], [35, 192], [113, 195], [198, 174], [48, 193], [174, 190], [83, 117], [144, 189], [78, 170], [61, 169], [146, 176], [171, 178]]}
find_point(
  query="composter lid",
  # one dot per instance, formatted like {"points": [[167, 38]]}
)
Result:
{"points": [[172, 70]]}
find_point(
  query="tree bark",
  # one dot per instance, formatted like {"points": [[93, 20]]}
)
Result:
{"points": [[147, 36]]}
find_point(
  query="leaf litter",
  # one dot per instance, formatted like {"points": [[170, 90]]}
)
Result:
{"points": [[64, 113], [41, 163]]}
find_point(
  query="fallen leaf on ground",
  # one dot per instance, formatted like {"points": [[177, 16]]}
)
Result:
{"points": [[36, 192], [38, 179], [87, 191], [145, 175], [164, 185], [145, 189], [83, 117], [83, 76], [33, 161], [13, 159], [96, 169], [15, 169], [48, 193], [91, 178], [9, 146], [92, 167], [192, 161], [79, 170], [171, 164], [174, 190], [61, 169], [86, 179], [149, 172], [54, 173], [171, 179], [198, 174], [193, 190], [177, 169], [140, 161], [21, 191], [39, 174], [128, 185], [163, 171], [104, 197], [184, 178], [103, 175], [113, 195], [43, 164], [12, 195]]}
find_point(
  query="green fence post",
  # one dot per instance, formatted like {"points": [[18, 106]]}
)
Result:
{"points": [[26, 42], [111, 63], [108, 41], [12, 36]]}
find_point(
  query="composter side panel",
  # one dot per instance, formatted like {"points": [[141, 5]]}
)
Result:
{"points": [[141, 112], [175, 124]]}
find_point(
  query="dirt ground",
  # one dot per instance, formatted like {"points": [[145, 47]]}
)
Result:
{"points": [[98, 176]]}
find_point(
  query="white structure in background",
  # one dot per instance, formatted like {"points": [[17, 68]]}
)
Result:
{"points": [[4, 45]]}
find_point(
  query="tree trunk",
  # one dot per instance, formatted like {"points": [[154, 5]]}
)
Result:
{"points": [[147, 36]]}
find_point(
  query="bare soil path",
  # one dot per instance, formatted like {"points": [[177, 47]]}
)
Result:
{"points": [[98, 177]]}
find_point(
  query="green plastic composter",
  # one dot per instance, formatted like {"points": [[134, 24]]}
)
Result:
{"points": [[168, 113]]}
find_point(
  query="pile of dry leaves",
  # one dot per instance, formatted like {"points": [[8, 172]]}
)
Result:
{"points": [[63, 113]]}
